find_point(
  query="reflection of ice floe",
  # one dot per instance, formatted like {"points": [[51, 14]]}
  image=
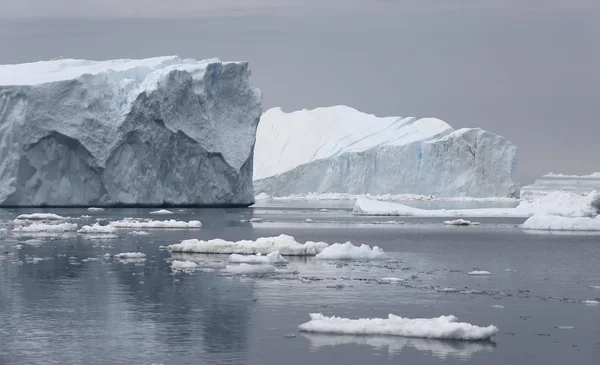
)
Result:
{"points": [[347, 251], [443, 327], [272, 258], [248, 269], [286, 245], [394, 344]]}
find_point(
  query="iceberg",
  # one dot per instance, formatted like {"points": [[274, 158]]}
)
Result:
{"points": [[443, 328], [347, 251], [341, 150], [151, 132]]}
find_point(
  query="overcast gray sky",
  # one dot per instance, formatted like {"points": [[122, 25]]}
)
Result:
{"points": [[525, 69]]}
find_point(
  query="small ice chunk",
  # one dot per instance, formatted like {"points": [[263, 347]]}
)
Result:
{"points": [[140, 233], [85, 216], [497, 306], [595, 287], [46, 228], [34, 242], [41, 216], [130, 255], [460, 222], [308, 220], [183, 266], [94, 209], [161, 212], [448, 290], [392, 280], [444, 327], [565, 327], [479, 273], [347, 251], [248, 269], [591, 302], [90, 259], [272, 258]]}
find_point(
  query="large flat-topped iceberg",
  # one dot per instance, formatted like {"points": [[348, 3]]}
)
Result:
{"points": [[158, 131], [341, 150], [560, 182]]}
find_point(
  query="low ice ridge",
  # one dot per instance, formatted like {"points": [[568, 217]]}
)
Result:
{"points": [[443, 327], [558, 223]]}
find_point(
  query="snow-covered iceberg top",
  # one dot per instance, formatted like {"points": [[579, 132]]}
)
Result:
{"points": [[197, 119], [41, 216], [444, 327], [342, 150]]}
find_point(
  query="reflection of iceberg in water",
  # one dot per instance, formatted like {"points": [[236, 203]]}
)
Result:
{"points": [[439, 348]]}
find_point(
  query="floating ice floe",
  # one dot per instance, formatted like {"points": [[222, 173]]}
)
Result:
{"points": [[139, 233], [497, 306], [183, 266], [444, 327], [130, 257], [594, 287], [479, 273], [286, 245], [392, 280], [558, 223], [591, 302], [162, 212], [461, 222], [94, 209], [249, 269], [272, 258], [136, 223], [347, 251], [46, 228], [97, 228], [41, 216]]}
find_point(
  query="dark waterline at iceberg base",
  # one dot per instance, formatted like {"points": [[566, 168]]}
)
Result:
{"points": [[64, 310]]}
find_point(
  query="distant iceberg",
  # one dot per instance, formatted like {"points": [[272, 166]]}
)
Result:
{"points": [[341, 150]]}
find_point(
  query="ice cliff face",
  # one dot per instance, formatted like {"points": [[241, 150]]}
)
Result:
{"points": [[339, 149], [127, 132]]}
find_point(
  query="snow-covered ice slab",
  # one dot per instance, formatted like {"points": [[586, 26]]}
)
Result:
{"points": [[272, 258], [196, 119], [138, 223], [364, 206], [557, 223], [341, 150], [286, 245], [41, 216], [444, 327], [556, 203], [184, 266], [161, 212], [347, 251], [46, 228], [384, 197], [479, 273], [461, 222]]}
